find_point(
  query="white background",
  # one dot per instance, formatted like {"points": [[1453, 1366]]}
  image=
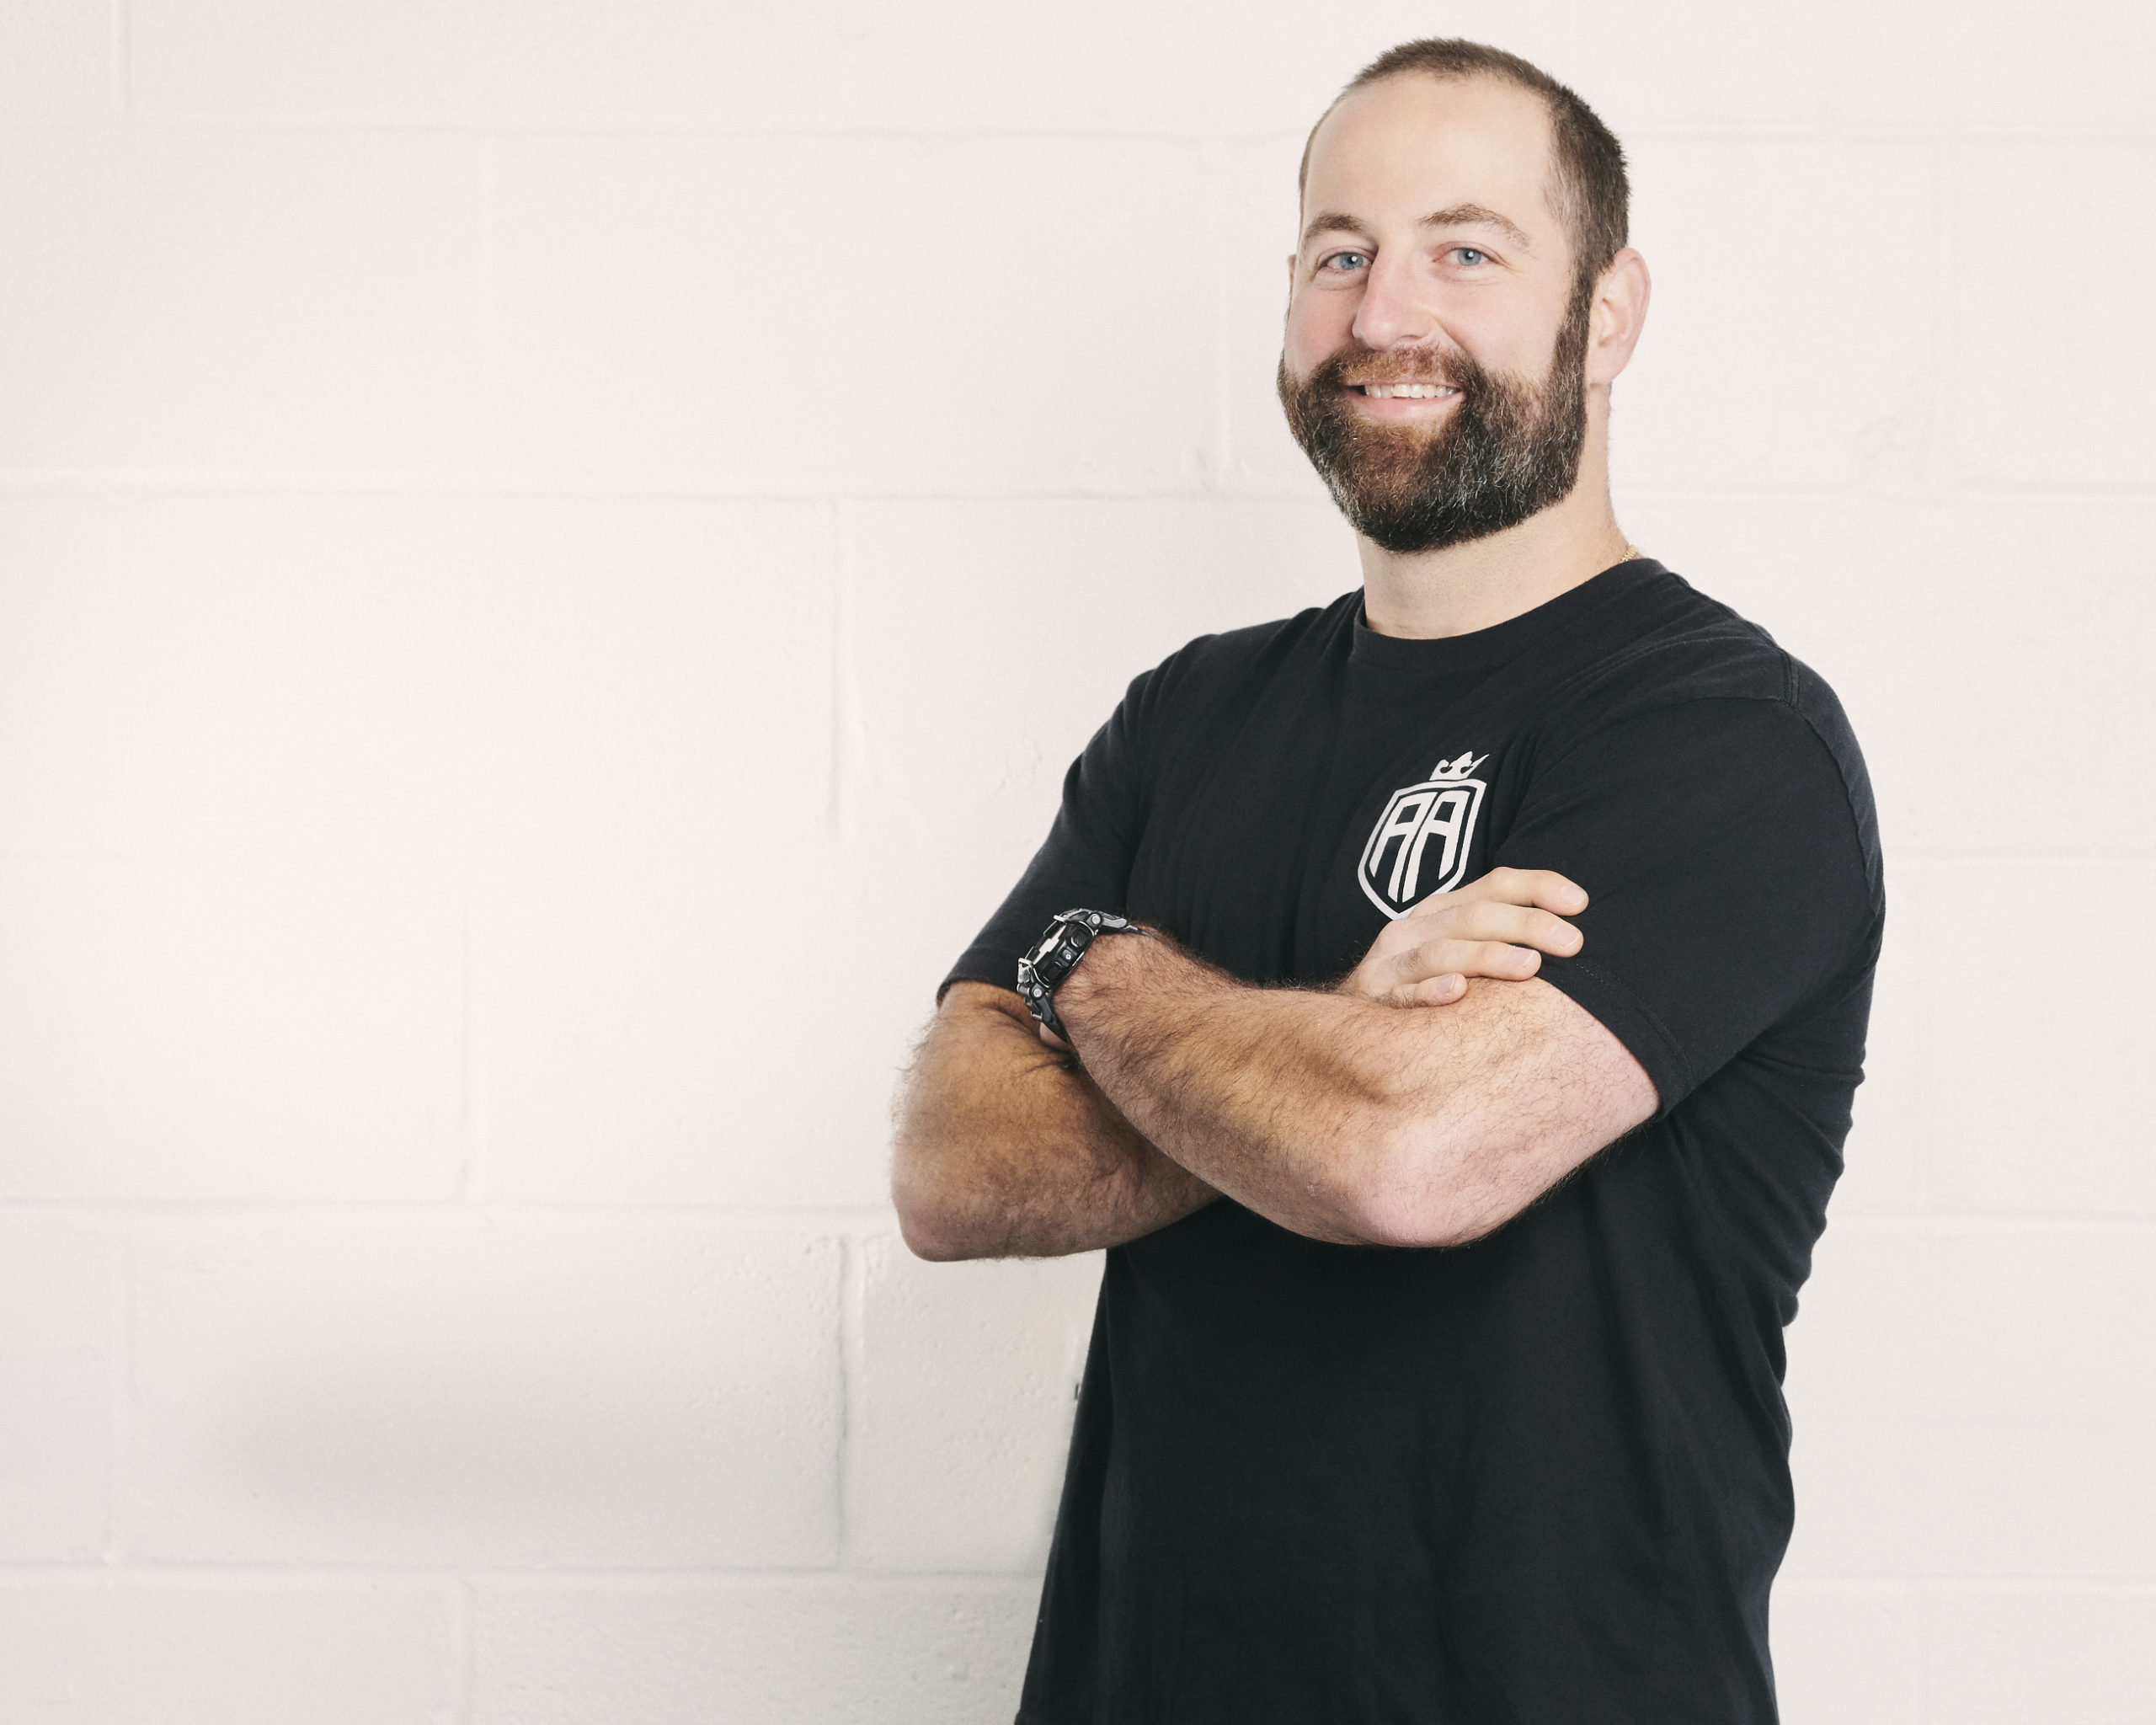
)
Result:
{"points": [[551, 558]]}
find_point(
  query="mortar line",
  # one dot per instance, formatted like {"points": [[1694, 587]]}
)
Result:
{"points": [[91, 484], [488, 170], [122, 49], [1913, 888], [848, 739], [864, 1221], [857, 1222], [1918, 858], [1945, 462], [119, 1387], [1965, 1222], [471, 1112], [853, 29], [1211, 168], [1940, 434], [1938, 1584], [329, 1575], [1926, 1615], [853, 1275], [1943, 864], [464, 1649], [542, 127]]}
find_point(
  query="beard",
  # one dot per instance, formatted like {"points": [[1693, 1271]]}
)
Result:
{"points": [[1508, 450]]}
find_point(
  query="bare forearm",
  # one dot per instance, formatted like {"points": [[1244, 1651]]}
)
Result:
{"points": [[1003, 1150], [1345, 1119], [1281, 1098]]}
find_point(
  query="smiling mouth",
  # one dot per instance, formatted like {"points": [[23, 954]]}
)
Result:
{"points": [[1404, 392]]}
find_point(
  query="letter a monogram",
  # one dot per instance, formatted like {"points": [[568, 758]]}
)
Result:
{"points": [[1419, 846]]}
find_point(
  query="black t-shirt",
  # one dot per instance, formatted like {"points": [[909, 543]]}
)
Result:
{"points": [[1542, 1478]]}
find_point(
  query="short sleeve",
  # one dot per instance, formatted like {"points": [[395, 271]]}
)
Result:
{"points": [[1086, 858], [1726, 850]]}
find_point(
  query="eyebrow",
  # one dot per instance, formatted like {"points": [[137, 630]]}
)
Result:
{"points": [[1454, 216], [1475, 216]]}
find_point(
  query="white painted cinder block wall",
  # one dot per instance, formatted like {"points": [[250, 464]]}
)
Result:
{"points": [[517, 527]]}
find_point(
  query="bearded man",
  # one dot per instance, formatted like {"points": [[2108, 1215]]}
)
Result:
{"points": [[1453, 1217]]}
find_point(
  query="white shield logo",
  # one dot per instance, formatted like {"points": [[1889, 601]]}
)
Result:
{"points": [[1419, 845]]}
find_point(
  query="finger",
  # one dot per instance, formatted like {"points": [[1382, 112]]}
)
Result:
{"points": [[1432, 991], [1524, 925], [1518, 925], [1542, 887], [1485, 910], [1465, 958]]}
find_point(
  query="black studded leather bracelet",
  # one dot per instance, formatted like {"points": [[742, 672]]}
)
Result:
{"points": [[1056, 954]]}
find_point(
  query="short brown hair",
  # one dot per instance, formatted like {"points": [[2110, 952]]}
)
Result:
{"points": [[1589, 187]]}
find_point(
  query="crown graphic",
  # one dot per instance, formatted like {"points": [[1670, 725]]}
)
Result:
{"points": [[1458, 769]]}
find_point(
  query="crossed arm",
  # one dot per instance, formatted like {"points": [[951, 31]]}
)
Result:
{"points": [[1412, 1106]]}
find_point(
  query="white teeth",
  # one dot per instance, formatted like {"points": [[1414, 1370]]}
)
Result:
{"points": [[1408, 392]]}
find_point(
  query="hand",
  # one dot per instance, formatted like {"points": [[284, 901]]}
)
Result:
{"points": [[1498, 927]]}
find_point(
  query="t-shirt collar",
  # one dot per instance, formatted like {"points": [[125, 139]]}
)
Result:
{"points": [[1484, 649]]}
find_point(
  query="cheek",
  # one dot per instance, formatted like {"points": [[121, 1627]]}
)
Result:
{"points": [[1318, 324], [1524, 344]]}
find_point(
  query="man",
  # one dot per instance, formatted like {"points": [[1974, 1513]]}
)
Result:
{"points": [[1436, 1369]]}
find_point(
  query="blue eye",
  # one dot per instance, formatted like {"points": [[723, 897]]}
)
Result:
{"points": [[1468, 255], [1341, 262]]}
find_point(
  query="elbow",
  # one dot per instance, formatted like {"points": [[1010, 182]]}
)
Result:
{"points": [[1413, 1191], [924, 1240], [932, 1225], [936, 1236], [1412, 1223], [1407, 1220]]}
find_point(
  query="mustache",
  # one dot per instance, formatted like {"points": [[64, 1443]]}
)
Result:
{"points": [[1350, 367]]}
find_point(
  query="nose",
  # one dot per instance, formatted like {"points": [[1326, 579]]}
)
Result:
{"points": [[1391, 313]]}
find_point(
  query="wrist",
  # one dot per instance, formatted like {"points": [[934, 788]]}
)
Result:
{"points": [[1046, 965], [1108, 965]]}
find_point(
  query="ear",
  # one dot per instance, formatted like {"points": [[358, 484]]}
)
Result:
{"points": [[1618, 314], [1291, 276]]}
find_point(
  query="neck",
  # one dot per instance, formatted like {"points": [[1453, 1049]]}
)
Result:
{"points": [[1426, 595]]}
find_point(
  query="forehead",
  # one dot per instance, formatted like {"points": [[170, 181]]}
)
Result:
{"points": [[1400, 149]]}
